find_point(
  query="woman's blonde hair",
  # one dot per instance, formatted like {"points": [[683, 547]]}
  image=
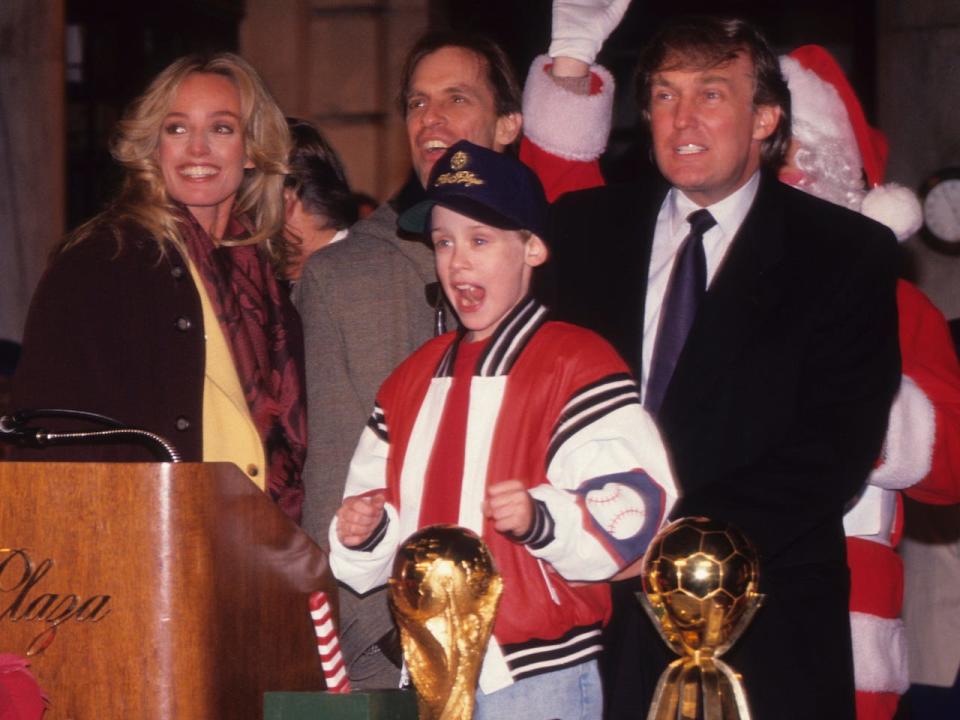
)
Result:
{"points": [[143, 198]]}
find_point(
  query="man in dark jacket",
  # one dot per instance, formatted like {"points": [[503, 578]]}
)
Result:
{"points": [[764, 334]]}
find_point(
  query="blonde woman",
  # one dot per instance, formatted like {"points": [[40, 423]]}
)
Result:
{"points": [[164, 311]]}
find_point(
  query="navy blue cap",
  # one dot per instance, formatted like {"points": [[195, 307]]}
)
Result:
{"points": [[491, 187]]}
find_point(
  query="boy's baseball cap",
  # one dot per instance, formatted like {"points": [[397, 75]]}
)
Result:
{"points": [[494, 188]]}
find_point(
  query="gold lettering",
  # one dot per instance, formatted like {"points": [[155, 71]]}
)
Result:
{"points": [[33, 612], [25, 585], [464, 177], [58, 616], [18, 575], [7, 562], [42, 641], [94, 614]]}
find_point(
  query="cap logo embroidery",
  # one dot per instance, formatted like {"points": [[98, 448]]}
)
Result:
{"points": [[459, 160], [462, 177]]}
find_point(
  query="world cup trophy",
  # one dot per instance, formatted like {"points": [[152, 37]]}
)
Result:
{"points": [[700, 579], [444, 594]]}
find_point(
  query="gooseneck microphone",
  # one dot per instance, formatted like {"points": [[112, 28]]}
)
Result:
{"points": [[15, 428]]}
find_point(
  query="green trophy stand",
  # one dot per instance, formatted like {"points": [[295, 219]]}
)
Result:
{"points": [[376, 705]]}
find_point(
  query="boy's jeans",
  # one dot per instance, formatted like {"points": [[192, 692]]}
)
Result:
{"points": [[570, 694]]}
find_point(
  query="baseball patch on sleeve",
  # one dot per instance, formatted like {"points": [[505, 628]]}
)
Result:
{"points": [[625, 510], [618, 508]]}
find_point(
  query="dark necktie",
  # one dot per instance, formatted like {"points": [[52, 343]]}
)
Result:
{"points": [[688, 282]]}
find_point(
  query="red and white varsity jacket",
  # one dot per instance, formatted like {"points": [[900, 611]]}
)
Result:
{"points": [[551, 404]]}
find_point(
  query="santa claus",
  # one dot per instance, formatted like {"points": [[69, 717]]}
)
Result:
{"points": [[836, 155]]}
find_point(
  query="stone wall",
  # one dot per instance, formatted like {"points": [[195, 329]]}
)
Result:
{"points": [[918, 91], [337, 63], [31, 150]]}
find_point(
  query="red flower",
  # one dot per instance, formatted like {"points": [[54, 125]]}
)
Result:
{"points": [[20, 696]]}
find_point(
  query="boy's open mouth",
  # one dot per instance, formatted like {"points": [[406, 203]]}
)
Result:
{"points": [[469, 296]]}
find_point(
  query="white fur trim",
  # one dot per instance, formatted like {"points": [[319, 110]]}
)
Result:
{"points": [[565, 124], [908, 446], [896, 207], [879, 654], [816, 111]]}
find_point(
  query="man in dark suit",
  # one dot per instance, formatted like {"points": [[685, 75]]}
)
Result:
{"points": [[765, 338]]}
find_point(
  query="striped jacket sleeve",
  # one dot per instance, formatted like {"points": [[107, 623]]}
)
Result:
{"points": [[368, 566], [610, 483]]}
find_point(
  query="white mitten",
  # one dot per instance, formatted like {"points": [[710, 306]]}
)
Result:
{"points": [[580, 27]]}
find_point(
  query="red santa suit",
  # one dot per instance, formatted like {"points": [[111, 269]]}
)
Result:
{"points": [[552, 405], [921, 453], [564, 133], [921, 457]]}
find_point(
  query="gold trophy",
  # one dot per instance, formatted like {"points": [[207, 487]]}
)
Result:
{"points": [[444, 593], [700, 578]]}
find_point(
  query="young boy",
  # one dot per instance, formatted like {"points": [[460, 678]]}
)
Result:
{"points": [[528, 432]]}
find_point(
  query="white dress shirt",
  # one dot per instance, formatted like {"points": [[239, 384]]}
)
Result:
{"points": [[672, 228]]}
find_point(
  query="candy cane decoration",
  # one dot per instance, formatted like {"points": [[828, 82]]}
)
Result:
{"points": [[328, 644]]}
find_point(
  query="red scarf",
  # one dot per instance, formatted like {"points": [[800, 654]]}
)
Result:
{"points": [[265, 339]]}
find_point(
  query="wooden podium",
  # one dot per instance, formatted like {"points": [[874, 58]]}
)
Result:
{"points": [[156, 590]]}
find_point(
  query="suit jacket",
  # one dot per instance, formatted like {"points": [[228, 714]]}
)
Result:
{"points": [[775, 413]]}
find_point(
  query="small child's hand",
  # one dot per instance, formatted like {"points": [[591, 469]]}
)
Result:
{"points": [[358, 517], [510, 507]]}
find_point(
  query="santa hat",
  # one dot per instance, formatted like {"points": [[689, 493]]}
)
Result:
{"points": [[826, 110]]}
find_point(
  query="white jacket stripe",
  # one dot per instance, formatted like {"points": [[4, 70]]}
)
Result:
{"points": [[417, 458], [486, 397], [506, 346]]}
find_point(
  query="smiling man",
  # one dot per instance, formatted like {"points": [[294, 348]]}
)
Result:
{"points": [[449, 95], [762, 325]]}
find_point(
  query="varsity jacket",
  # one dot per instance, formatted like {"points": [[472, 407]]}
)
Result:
{"points": [[550, 404], [365, 309]]}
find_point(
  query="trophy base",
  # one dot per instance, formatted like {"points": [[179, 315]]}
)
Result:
{"points": [[374, 705], [707, 689]]}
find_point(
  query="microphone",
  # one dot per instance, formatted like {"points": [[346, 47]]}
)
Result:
{"points": [[15, 428], [434, 295]]}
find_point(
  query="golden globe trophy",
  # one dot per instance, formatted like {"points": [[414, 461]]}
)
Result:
{"points": [[444, 593], [700, 580]]}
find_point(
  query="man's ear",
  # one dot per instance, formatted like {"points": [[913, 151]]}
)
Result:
{"points": [[507, 130], [291, 204], [766, 118], [535, 251]]}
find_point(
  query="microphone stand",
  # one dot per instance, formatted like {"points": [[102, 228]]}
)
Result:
{"points": [[14, 428]]}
